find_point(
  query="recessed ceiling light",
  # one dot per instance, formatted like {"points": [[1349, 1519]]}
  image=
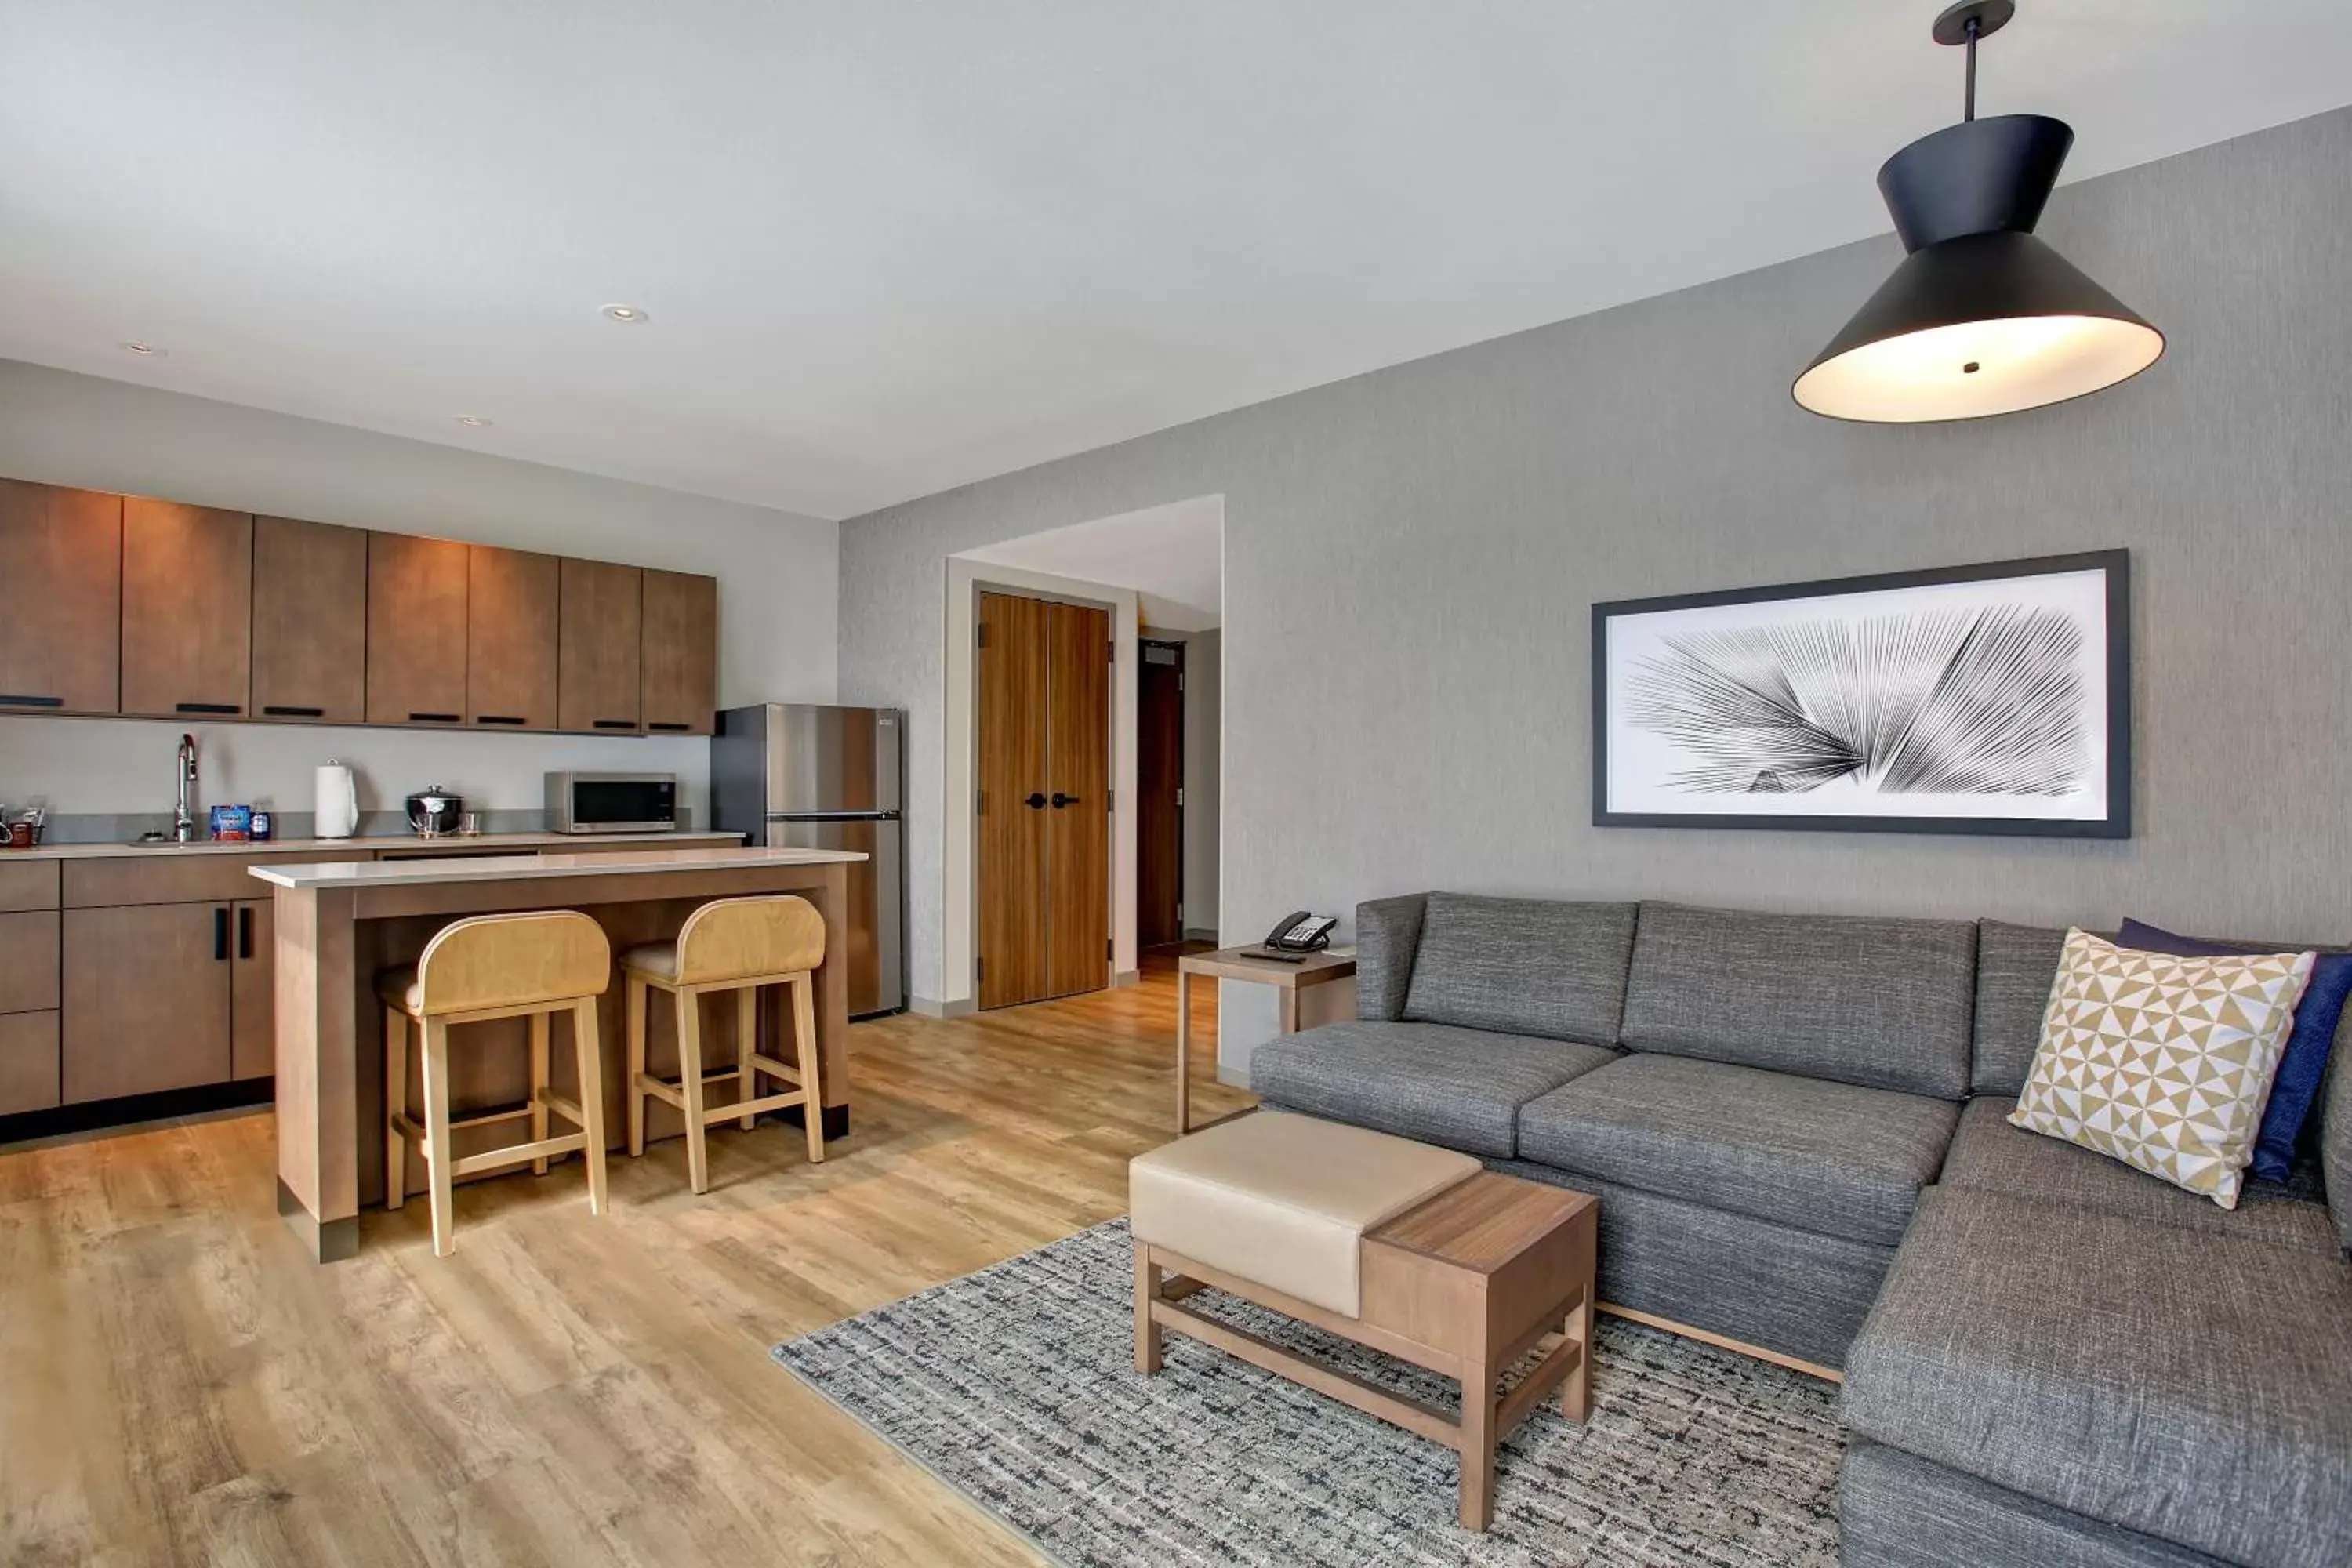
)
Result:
{"points": [[628, 313], [135, 346], [473, 422]]}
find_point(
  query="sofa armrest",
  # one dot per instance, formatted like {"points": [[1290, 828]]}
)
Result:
{"points": [[1388, 934]]}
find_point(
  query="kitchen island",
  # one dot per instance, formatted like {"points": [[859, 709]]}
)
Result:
{"points": [[338, 923]]}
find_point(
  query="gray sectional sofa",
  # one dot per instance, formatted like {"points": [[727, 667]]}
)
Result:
{"points": [[1797, 1128]]}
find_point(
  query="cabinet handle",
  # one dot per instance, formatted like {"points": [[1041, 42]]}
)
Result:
{"points": [[433, 717], [668, 729], [616, 725], [207, 707], [11, 700], [244, 933], [274, 710], [498, 718], [220, 936]]}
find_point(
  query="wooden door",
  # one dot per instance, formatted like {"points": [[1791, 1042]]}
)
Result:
{"points": [[1160, 795], [679, 678], [598, 665], [510, 638], [310, 621], [417, 630], [253, 999], [1010, 841], [146, 999], [187, 610], [1077, 789], [60, 599]]}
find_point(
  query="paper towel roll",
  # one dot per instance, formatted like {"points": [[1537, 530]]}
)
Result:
{"points": [[339, 803]]}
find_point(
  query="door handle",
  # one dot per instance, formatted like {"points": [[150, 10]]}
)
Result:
{"points": [[245, 931], [1036, 801], [220, 936], [1061, 800]]}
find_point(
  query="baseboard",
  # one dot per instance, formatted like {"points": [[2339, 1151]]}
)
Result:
{"points": [[1194, 933], [131, 1111], [1724, 1341], [932, 1007], [1121, 979]]}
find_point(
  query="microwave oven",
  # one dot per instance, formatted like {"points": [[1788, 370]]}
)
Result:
{"points": [[612, 802]]}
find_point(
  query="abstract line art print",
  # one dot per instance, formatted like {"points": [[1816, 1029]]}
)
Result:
{"points": [[1973, 699]]}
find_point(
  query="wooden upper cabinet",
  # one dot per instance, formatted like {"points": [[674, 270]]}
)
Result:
{"points": [[60, 599], [598, 673], [510, 636], [187, 610], [680, 673], [310, 621], [417, 630]]}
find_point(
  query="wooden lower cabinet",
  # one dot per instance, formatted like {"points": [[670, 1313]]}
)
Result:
{"points": [[28, 962], [147, 992], [29, 1062], [253, 991]]}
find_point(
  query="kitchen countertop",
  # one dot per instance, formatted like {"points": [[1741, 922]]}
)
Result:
{"points": [[402, 841], [358, 874]]}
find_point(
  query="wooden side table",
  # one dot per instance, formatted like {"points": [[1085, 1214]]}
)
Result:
{"points": [[1235, 963]]}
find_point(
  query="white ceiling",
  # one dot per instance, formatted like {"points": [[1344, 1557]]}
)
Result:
{"points": [[895, 246], [1173, 556]]}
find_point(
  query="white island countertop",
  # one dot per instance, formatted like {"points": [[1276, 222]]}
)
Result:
{"points": [[535, 867], [378, 843]]}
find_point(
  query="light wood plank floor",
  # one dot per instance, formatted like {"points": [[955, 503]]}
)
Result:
{"points": [[178, 1383]]}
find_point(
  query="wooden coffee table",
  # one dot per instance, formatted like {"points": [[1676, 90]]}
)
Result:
{"points": [[1464, 1284], [1236, 964]]}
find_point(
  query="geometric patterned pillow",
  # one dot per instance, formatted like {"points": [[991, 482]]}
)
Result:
{"points": [[2163, 1063]]}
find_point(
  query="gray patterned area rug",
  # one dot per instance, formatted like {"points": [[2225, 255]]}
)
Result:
{"points": [[1018, 1386]]}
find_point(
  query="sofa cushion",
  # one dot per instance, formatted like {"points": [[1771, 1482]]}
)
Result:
{"points": [[1459, 1087], [2015, 968], [1881, 1003], [2194, 1387], [1824, 1157], [1388, 932], [1988, 1154], [1529, 966]]}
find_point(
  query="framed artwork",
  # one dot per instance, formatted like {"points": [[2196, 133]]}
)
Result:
{"points": [[1993, 698]]}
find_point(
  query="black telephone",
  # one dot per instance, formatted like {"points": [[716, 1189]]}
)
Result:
{"points": [[1300, 931]]}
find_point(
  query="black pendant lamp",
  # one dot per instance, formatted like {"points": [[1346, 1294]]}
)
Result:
{"points": [[1982, 317]]}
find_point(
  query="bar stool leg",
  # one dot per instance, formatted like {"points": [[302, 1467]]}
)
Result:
{"points": [[591, 1055], [539, 1087], [689, 1084], [804, 1053], [747, 1030], [636, 1046], [396, 1103], [437, 1151]]}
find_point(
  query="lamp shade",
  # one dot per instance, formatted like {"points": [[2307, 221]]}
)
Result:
{"points": [[1982, 317]]}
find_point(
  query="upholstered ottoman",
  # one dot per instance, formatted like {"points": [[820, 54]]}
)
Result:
{"points": [[1413, 1251]]}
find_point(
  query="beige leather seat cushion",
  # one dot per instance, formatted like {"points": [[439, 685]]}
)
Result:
{"points": [[1284, 1201], [652, 958], [399, 988]]}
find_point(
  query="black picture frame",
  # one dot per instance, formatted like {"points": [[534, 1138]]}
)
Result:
{"points": [[2117, 823]]}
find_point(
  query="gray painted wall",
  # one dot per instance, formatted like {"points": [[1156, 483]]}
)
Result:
{"points": [[1409, 556], [1204, 688]]}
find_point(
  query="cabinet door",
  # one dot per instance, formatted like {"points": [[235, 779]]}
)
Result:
{"points": [[510, 638], [310, 621], [680, 674], [187, 610], [417, 630], [596, 683], [146, 999], [253, 995], [28, 962], [60, 599], [29, 1062]]}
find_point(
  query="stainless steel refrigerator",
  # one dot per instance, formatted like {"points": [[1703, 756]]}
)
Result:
{"points": [[803, 776]]}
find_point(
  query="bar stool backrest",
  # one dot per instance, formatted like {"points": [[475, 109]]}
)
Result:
{"points": [[734, 939], [511, 961]]}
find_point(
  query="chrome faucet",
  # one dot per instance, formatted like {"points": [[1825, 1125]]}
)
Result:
{"points": [[183, 810]]}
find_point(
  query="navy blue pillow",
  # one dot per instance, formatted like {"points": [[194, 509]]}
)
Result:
{"points": [[2304, 1066]]}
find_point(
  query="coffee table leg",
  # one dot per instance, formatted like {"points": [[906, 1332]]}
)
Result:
{"points": [[1478, 1403], [1576, 1391], [1147, 1331]]}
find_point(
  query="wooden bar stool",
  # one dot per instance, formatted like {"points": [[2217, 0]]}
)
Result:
{"points": [[739, 945], [473, 971]]}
